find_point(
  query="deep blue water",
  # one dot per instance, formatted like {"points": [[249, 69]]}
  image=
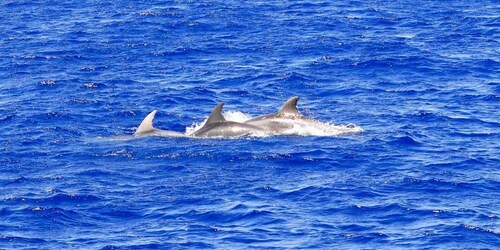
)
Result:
{"points": [[422, 78]]}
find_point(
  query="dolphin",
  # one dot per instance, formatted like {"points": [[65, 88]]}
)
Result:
{"points": [[146, 128], [217, 126], [287, 118]]}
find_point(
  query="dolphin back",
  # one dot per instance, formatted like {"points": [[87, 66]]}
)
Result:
{"points": [[217, 126], [226, 129]]}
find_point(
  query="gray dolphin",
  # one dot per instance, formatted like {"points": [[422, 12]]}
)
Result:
{"points": [[217, 126], [286, 119], [146, 128]]}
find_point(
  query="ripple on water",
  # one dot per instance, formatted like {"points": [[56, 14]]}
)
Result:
{"points": [[416, 168]]}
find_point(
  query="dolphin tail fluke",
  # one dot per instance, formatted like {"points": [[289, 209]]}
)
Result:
{"points": [[290, 107], [216, 115], [146, 124]]}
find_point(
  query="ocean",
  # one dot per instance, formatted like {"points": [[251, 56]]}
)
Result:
{"points": [[420, 80]]}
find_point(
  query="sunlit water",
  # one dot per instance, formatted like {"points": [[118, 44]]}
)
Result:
{"points": [[409, 156]]}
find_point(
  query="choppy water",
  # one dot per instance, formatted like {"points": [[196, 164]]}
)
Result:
{"points": [[422, 78]]}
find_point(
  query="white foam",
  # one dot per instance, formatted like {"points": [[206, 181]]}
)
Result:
{"points": [[325, 129], [194, 127], [236, 116]]}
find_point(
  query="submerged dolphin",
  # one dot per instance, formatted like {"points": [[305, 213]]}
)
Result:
{"points": [[286, 119], [217, 126], [146, 128]]}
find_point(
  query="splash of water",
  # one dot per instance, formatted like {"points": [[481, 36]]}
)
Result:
{"points": [[324, 129]]}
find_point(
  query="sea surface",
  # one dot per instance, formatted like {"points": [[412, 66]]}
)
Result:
{"points": [[419, 79]]}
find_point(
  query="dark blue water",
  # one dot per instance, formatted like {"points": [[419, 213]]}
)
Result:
{"points": [[422, 78]]}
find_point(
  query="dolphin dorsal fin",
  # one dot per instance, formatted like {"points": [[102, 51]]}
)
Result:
{"points": [[216, 115], [146, 124], [290, 107]]}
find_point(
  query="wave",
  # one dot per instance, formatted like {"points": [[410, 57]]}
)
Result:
{"points": [[407, 140], [56, 199], [13, 240]]}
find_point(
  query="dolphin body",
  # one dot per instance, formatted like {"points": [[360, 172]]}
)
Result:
{"points": [[146, 128], [217, 126], [285, 120]]}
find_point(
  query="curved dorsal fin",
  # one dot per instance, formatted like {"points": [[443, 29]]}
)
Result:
{"points": [[290, 107], [146, 124], [216, 115]]}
